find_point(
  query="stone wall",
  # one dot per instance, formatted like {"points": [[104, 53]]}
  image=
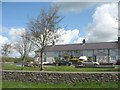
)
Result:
{"points": [[58, 77]]}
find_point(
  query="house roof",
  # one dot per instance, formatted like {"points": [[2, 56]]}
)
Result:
{"points": [[67, 47]]}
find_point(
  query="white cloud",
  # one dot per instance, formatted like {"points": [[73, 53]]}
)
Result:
{"points": [[103, 27], [15, 33], [68, 36], [3, 40]]}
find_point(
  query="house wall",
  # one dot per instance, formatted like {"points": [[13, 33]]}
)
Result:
{"points": [[50, 56], [102, 55], [50, 59], [88, 53]]}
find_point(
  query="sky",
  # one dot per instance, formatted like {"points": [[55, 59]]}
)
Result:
{"points": [[93, 21]]}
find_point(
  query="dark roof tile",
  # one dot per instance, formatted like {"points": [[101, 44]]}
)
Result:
{"points": [[67, 47]]}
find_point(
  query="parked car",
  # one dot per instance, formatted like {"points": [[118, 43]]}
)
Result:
{"points": [[46, 63], [62, 62], [89, 63], [84, 58]]}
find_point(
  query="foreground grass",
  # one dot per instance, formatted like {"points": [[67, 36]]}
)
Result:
{"points": [[11, 84]]}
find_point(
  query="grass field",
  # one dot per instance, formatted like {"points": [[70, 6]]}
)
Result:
{"points": [[58, 68], [11, 84]]}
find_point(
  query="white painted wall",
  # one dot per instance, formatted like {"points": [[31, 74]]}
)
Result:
{"points": [[50, 59], [101, 55]]}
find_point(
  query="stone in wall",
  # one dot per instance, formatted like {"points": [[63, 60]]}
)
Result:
{"points": [[56, 77]]}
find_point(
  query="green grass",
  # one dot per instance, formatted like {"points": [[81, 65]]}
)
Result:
{"points": [[58, 68], [10, 67], [0, 84], [69, 68], [11, 84]]}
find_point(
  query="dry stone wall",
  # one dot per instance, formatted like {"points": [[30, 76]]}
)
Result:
{"points": [[58, 77]]}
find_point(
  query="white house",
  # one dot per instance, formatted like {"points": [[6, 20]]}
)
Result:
{"points": [[103, 52]]}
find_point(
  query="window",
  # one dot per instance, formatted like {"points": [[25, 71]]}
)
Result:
{"points": [[101, 52], [113, 52], [99, 58], [45, 59], [113, 57], [75, 51]]}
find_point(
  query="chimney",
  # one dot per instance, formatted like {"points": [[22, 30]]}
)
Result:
{"points": [[83, 42]]}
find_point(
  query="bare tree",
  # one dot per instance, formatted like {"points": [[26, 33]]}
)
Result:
{"points": [[43, 30], [23, 47], [6, 49]]}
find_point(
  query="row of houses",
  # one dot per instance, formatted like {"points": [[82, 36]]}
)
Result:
{"points": [[102, 52]]}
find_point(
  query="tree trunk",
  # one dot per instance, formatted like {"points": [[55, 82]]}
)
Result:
{"points": [[41, 60], [118, 47], [23, 60]]}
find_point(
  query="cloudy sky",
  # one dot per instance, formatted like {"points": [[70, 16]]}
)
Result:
{"points": [[93, 21]]}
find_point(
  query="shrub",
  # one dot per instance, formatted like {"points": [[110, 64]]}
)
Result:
{"points": [[90, 59], [74, 59], [29, 59], [7, 59]]}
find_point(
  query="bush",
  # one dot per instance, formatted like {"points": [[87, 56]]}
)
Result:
{"points": [[74, 59], [29, 59], [8, 59], [90, 59]]}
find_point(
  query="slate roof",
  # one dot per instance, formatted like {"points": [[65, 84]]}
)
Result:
{"points": [[67, 47]]}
